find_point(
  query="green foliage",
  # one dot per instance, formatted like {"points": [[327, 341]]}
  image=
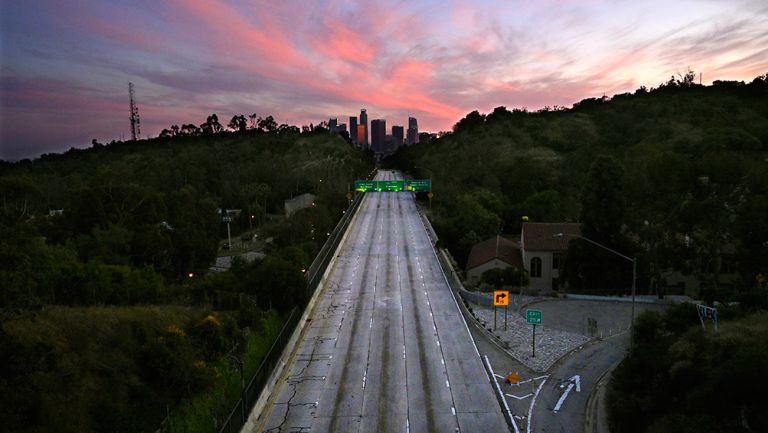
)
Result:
{"points": [[507, 277], [694, 175], [681, 378], [118, 369]]}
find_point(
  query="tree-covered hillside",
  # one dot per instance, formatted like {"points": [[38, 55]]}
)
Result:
{"points": [[110, 317], [691, 163]]}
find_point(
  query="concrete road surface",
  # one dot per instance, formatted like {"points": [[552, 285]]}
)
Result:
{"points": [[387, 349]]}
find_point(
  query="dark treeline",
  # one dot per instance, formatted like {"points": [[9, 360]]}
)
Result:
{"points": [[109, 313], [676, 175], [681, 378]]}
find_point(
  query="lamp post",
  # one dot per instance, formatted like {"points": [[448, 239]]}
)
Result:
{"points": [[634, 273]]}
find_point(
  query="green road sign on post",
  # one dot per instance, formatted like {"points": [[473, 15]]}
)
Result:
{"points": [[533, 317]]}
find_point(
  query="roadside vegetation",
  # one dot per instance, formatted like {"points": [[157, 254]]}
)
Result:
{"points": [[111, 320], [675, 175], [679, 377]]}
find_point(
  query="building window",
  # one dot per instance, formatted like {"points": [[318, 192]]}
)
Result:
{"points": [[535, 267], [557, 260]]}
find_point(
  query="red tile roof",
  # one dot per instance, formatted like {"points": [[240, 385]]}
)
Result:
{"points": [[495, 248], [541, 236]]}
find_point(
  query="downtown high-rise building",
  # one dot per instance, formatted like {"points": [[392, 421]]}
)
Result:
{"points": [[397, 135], [364, 124], [353, 129], [413, 131], [333, 124], [378, 135], [360, 136]]}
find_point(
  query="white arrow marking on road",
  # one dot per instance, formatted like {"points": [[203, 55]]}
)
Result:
{"points": [[575, 380]]}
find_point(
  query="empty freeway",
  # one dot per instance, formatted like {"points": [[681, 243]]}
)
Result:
{"points": [[386, 348]]}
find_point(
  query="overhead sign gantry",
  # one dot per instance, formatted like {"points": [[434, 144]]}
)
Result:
{"points": [[414, 185]]}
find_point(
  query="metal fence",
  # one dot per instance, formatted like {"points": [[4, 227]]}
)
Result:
{"points": [[239, 414]]}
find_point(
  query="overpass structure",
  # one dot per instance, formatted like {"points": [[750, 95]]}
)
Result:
{"points": [[385, 348]]}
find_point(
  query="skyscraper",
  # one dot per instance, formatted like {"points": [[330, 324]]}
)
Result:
{"points": [[378, 135], [413, 131], [333, 124], [397, 136], [353, 129], [360, 136], [364, 123]]}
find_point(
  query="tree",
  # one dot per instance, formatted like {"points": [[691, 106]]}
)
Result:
{"points": [[211, 125], [603, 207], [190, 130], [268, 124], [238, 123]]}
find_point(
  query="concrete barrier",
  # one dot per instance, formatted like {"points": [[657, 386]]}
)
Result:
{"points": [[289, 351]]}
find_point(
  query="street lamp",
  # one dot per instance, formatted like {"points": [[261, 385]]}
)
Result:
{"points": [[634, 272]]}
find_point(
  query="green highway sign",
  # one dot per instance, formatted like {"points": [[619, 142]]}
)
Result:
{"points": [[390, 185], [533, 317], [417, 185], [365, 185], [379, 185]]}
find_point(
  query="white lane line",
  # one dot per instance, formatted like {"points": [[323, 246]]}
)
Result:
{"points": [[533, 402], [453, 410], [447, 385], [370, 324], [506, 406]]}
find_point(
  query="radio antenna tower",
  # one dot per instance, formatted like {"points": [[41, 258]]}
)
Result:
{"points": [[135, 121]]}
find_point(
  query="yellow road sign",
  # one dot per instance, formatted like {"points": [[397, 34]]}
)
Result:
{"points": [[500, 298], [430, 195]]}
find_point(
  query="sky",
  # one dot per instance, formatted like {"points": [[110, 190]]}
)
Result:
{"points": [[65, 65]]}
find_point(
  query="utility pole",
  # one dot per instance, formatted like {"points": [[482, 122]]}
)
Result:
{"points": [[135, 121]]}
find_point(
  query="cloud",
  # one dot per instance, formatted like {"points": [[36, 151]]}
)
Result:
{"points": [[307, 61]]}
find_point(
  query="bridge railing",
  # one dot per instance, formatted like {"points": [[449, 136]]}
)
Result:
{"points": [[239, 414]]}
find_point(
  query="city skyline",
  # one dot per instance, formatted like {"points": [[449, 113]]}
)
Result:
{"points": [[65, 83]]}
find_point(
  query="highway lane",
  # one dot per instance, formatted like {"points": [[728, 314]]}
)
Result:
{"points": [[387, 349]]}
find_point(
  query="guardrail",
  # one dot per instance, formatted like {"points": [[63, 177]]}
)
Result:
{"points": [[239, 414]]}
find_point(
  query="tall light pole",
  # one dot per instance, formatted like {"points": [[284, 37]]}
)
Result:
{"points": [[634, 273]]}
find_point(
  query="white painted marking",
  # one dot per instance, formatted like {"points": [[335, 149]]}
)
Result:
{"points": [[370, 325], [574, 380], [447, 384], [519, 398], [533, 402], [499, 376], [498, 389], [453, 410], [562, 398]]}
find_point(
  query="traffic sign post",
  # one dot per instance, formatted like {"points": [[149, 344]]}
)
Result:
{"points": [[533, 317], [500, 299]]}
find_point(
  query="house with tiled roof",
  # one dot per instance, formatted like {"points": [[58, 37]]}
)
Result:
{"points": [[494, 253], [543, 252]]}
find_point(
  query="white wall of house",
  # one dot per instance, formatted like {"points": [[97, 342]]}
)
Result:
{"points": [[474, 274], [544, 282]]}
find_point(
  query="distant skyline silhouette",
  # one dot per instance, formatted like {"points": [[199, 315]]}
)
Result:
{"points": [[65, 66]]}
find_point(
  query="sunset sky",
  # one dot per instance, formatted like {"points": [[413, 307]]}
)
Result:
{"points": [[65, 65]]}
